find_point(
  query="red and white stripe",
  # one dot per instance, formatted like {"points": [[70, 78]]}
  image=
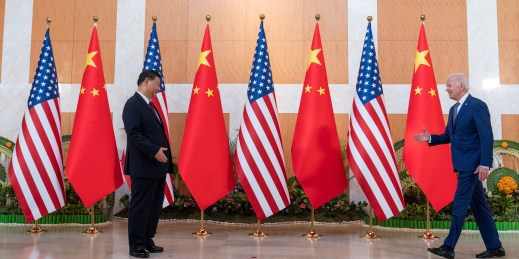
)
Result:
{"points": [[259, 160], [162, 108], [36, 169], [372, 158]]}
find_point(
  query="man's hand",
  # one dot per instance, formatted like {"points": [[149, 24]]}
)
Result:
{"points": [[160, 156], [422, 137], [482, 173]]}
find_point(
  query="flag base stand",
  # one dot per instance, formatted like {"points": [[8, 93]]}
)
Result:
{"points": [[92, 229], [258, 232], [371, 234], [312, 233], [428, 235], [36, 228], [201, 232]]}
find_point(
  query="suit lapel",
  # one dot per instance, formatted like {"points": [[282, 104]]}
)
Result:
{"points": [[462, 111], [147, 108]]}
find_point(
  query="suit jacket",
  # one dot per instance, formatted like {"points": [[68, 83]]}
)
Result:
{"points": [[471, 136], [145, 136]]}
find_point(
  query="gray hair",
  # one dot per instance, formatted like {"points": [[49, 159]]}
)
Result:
{"points": [[460, 78]]}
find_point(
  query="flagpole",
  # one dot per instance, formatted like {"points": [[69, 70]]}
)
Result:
{"points": [[371, 234], [258, 232], [201, 232], [312, 233], [92, 229], [36, 228], [428, 234]]}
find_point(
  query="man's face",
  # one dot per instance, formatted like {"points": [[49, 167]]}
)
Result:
{"points": [[153, 87], [455, 89]]}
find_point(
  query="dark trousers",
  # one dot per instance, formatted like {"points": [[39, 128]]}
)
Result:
{"points": [[470, 192], [145, 206]]}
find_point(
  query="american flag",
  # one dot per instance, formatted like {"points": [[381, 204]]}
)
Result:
{"points": [[370, 147], [259, 160], [36, 169], [152, 61]]}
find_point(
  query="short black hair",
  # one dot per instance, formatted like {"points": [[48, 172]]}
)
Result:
{"points": [[147, 74]]}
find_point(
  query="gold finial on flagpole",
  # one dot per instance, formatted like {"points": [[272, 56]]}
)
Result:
{"points": [[95, 19], [370, 18], [422, 17], [262, 17], [48, 21], [154, 18], [208, 18], [318, 17]]}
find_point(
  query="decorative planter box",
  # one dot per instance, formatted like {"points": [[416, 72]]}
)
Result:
{"points": [[55, 219], [422, 224]]}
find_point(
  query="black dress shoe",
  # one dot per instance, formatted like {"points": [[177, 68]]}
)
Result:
{"points": [[442, 251], [140, 253], [498, 252], [155, 249]]}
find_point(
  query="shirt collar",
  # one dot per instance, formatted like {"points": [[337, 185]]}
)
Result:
{"points": [[463, 98], [144, 97]]}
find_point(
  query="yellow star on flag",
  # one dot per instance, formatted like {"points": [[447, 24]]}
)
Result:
{"points": [[82, 90], [418, 90], [209, 92], [202, 59], [432, 92], [313, 58], [321, 91], [95, 92], [420, 59], [89, 59], [307, 88], [195, 90]]}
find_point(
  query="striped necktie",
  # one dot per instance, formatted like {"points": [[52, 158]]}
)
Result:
{"points": [[455, 112]]}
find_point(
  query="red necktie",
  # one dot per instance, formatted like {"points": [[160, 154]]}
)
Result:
{"points": [[152, 106]]}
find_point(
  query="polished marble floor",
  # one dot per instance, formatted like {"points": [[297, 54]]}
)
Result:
{"points": [[233, 241]]}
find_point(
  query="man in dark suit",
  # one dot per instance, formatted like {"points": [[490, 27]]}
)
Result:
{"points": [[148, 159], [470, 134]]}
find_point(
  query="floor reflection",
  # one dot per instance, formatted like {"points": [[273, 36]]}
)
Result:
{"points": [[234, 241]]}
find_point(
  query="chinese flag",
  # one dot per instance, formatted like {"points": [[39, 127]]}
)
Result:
{"points": [[430, 167], [316, 152], [93, 166], [205, 159]]}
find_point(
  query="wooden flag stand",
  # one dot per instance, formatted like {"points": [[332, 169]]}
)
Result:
{"points": [[258, 232], [36, 228], [371, 234], [92, 229], [312, 233], [201, 232], [428, 235]]}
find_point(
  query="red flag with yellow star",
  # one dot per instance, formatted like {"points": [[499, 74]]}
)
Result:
{"points": [[205, 159], [316, 151], [430, 167], [93, 167]]}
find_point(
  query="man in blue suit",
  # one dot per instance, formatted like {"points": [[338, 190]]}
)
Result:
{"points": [[470, 134], [148, 159]]}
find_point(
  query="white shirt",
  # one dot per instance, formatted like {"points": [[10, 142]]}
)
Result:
{"points": [[461, 101], [144, 97]]}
